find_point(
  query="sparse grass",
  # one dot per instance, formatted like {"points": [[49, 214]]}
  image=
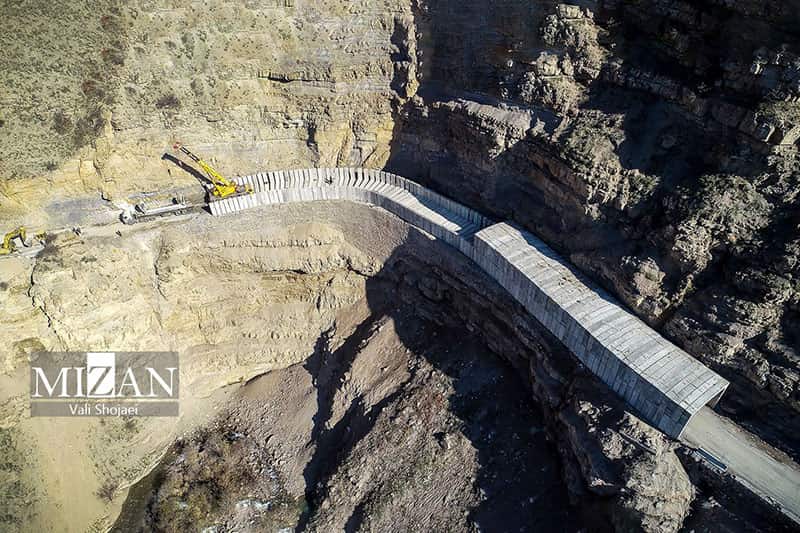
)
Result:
{"points": [[15, 494], [62, 124], [130, 424], [107, 490], [168, 101], [215, 471], [79, 79], [113, 56]]}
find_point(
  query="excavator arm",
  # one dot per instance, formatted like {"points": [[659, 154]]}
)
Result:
{"points": [[8, 240], [11, 235], [9, 246], [222, 186]]}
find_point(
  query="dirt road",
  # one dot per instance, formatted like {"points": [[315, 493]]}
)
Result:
{"points": [[765, 470]]}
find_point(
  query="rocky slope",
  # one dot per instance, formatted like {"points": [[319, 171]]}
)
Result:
{"points": [[269, 83], [653, 143], [392, 395], [234, 304], [389, 431]]}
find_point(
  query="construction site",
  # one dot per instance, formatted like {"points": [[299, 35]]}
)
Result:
{"points": [[400, 266]]}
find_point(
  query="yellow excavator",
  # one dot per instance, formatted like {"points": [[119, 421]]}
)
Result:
{"points": [[221, 187], [217, 187], [9, 245]]}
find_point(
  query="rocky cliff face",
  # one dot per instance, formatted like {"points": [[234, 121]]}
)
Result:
{"points": [[654, 143], [621, 472], [389, 412], [235, 304], [93, 96]]}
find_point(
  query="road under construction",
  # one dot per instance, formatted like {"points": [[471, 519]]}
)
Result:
{"points": [[663, 384]]}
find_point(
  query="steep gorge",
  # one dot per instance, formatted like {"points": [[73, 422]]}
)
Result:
{"points": [[381, 387], [653, 143]]}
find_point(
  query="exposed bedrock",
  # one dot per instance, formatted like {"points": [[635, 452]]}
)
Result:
{"points": [[628, 471], [235, 304], [654, 145], [626, 468], [232, 302], [262, 84]]}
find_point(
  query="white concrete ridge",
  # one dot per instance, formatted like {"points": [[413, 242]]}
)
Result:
{"points": [[666, 385]]}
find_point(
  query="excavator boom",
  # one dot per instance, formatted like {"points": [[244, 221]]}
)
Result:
{"points": [[9, 246], [216, 185], [222, 186], [8, 240]]}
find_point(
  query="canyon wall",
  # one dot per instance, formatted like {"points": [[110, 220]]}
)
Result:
{"points": [[653, 143], [94, 96], [284, 288]]}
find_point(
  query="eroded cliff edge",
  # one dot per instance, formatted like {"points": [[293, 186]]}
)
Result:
{"points": [[369, 371], [654, 143]]}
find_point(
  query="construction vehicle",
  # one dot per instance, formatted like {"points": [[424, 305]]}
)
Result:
{"points": [[9, 245], [148, 210], [220, 187], [217, 187]]}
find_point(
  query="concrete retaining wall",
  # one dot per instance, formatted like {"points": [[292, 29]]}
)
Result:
{"points": [[665, 384], [662, 382]]}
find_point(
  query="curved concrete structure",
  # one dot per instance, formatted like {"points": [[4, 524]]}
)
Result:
{"points": [[663, 383]]}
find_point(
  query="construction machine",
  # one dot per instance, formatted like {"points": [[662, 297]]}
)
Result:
{"points": [[148, 210], [9, 245], [216, 185], [219, 186]]}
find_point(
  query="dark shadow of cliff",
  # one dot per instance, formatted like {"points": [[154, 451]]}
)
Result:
{"points": [[199, 176], [518, 477], [477, 53], [332, 444]]}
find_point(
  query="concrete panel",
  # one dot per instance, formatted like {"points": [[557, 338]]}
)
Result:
{"points": [[665, 384]]}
